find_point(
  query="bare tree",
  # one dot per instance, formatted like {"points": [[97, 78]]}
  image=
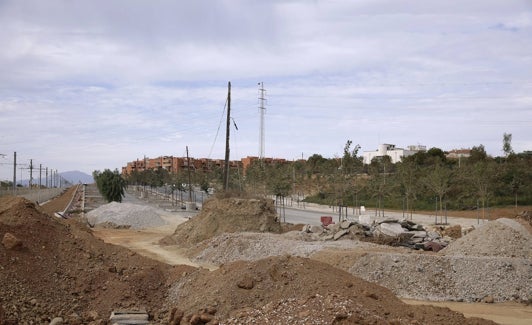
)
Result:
{"points": [[438, 180], [408, 175], [482, 176]]}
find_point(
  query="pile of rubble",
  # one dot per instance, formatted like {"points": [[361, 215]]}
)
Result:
{"points": [[389, 231], [490, 264]]}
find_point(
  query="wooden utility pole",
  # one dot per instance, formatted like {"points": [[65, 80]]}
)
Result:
{"points": [[31, 173], [228, 127], [14, 172], [189, 179]]}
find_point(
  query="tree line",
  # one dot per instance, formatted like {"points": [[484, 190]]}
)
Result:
{"points": [[425, 180]]}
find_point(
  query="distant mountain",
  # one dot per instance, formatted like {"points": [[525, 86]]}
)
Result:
{"points": [[75, 177]]}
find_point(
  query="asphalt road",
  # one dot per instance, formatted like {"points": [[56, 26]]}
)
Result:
{"points": [[311, 213], [311, 216]]}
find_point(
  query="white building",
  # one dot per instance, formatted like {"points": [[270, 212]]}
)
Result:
{"points": [[395, 154]]}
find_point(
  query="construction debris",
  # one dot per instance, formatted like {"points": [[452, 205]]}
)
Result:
{"points": [[407, 233], [129, 317]]}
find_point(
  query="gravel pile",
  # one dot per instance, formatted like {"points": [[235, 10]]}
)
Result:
{"points": [[439, 278], [249, 246], [502, 237], [126, 215], [491, 263]]}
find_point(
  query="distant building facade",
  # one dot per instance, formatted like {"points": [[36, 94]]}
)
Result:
{"points": [[458, 153], [395, 154], [247, 161], [175, 165]]}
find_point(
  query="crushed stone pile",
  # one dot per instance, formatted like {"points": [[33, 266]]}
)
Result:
{"points": [[502, 237], [293, 290], [125, 215], [448, 278], [230, 247], [226, 215], [492, 262]]}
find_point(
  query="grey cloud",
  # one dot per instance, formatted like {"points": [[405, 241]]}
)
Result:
{"points": [[152, 76]]}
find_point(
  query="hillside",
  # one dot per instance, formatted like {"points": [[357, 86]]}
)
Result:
{"points": [[75, 177]]}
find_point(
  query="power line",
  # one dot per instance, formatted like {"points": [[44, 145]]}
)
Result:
{"points": [[218, 130]]}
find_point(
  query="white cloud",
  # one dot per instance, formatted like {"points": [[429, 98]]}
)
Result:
{"points": [[93, 84]]}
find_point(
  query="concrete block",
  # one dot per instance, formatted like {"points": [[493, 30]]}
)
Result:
{"points": [[391, 229], [366, 219]]}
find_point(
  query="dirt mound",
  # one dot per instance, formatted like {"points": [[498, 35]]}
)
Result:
{"points": [[294, 290], [61, 270], [502, 238], [226, 215]]}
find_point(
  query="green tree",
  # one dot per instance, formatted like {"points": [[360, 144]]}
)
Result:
{"points": [[478, 153], [436, 155], [350, 161], [316, 164], [110, 184], [507, 144], [279, 181]]}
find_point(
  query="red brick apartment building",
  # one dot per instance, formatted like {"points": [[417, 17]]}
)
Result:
{"points": [[176, 164]]}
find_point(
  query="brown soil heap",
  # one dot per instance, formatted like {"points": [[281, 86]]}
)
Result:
{"points": [[61, 270], [226, 215], [294, 290]]}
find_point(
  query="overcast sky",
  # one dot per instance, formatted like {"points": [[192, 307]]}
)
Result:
{"points": [[89, 85]]}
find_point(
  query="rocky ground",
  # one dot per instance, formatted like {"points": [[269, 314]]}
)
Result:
{"points": [[51, 268]]}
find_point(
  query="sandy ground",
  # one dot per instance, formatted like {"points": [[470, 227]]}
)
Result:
{"points": [[145, 241], [502, 313]]}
